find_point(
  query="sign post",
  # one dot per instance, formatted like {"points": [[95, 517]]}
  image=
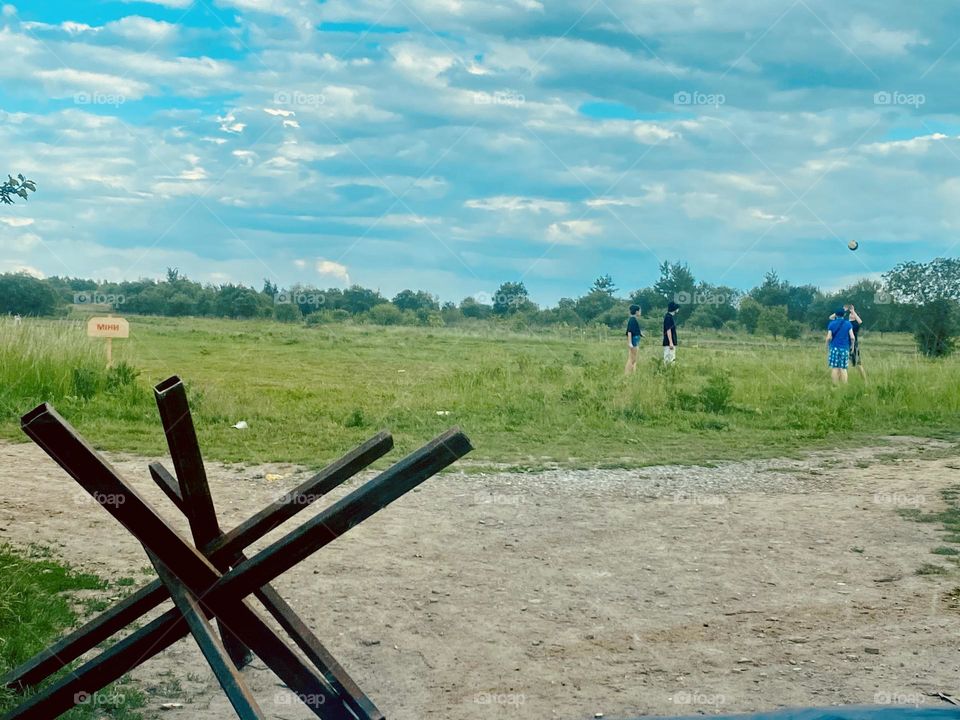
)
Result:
{"points": [[109, 328]]}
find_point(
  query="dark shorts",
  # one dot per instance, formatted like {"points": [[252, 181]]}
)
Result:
{"points": [[855, 353], [635, 340]]}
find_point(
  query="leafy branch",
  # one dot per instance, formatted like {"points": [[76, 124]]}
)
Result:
{"points": [[15, 186]]}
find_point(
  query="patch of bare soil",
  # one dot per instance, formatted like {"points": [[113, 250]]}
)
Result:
{"points": [[563, 594]]}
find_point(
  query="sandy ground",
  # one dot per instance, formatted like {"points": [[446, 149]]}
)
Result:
{"points": [[564, 594]]}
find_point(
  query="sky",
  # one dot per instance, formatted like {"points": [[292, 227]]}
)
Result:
{"points": [[451, 145]]}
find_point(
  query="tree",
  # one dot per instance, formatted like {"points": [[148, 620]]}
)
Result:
{"points": [[357, 300], [604, 284], [594, 304], [473, 308], [937, 326], [386, 314], [15, 187], [772, 321], [24, 294], [799, 300], [921, 283], [749, 314], [415, 301], [935, 287], [647, 299], [270, 289], [772, 292], [510, 298], [237, 301], [676, 282]]}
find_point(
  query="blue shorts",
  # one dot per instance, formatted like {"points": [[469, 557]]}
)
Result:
{"points": [[838, 358], [635, 340]]}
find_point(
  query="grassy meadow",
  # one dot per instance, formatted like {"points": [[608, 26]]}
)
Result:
{"points": [[38, 602], [526, 401]]}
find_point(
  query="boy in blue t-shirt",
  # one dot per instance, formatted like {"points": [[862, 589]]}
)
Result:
{"points": [[840, 339]]}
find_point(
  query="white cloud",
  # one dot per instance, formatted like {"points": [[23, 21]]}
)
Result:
{"points": [[176, 4], [513, 203], [572, 232], [914, 146], [66, 82], [867, 36], [135, 27], [229, 124], [654, 194], [16, 221], [328, 268], [278, 112], [12, 266]]}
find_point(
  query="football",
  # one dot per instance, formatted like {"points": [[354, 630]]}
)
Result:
{"points": [[853, 244]]}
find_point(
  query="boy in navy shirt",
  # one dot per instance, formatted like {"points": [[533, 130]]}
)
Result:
{"points": [[856, 321], [633, 338], [670, 333]]}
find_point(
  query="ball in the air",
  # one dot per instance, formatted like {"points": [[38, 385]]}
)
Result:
{"points": [[853, 244]]}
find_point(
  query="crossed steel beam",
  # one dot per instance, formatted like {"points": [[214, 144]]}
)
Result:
{"points": [[213, 577]]}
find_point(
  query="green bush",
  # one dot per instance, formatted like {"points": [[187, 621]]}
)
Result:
{"points": [[121, 375], [938, 324], [717, 394]]}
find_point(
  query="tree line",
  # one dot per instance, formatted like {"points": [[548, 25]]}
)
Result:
{"points": [[920, 298]]}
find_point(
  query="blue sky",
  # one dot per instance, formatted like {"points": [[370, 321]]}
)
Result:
{"points": [[450, 145]]}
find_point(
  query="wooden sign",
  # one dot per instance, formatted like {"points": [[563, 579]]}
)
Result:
{"points": [[108, 327]]}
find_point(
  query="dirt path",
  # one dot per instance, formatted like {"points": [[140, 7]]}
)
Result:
{"points": [[564, 594]]}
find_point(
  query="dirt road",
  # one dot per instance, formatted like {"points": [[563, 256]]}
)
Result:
{"points": [[564, 594]]}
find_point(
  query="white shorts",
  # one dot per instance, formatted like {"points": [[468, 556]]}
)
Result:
{"points": [[669, 354]]}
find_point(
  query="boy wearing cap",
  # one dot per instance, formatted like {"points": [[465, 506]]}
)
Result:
{"points": [[670, 333], [840, 339], [633, 338]]}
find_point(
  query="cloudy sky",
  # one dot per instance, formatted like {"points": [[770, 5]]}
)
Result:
{"points": [[450, 145]]}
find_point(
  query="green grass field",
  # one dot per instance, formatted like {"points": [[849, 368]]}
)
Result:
{"points": [[36, 607], [525, 400]]}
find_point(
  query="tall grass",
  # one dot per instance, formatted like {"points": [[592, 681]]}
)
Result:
{"points": [[42, 361], [525, 400], [52, 361]]}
